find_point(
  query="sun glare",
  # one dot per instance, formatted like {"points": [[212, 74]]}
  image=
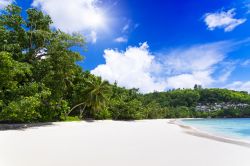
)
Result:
{"points": [[97, 19]]}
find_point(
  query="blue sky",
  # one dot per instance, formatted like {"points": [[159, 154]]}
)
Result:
{"points": [[159, 45]]}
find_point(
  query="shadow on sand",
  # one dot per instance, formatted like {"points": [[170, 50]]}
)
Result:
{"points": [[6, 126], [24, 126]]}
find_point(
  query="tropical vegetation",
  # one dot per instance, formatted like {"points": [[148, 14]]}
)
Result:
{"points": [[40, 81]]}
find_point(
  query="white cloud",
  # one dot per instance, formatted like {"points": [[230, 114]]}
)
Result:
{"points": [[203, 78], [194, 65], [4, 3], [223, 19], [121, 39], [129, 26], [246, 63], [137, 67], [131, 68], [125, 27], [74, 15], [92, 37], [225, 75], [246, 5], [195, 58], [226, 69], [239, 86]]}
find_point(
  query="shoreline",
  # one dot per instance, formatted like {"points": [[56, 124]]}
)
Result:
{"points": [[190, 130], [204, 134]]}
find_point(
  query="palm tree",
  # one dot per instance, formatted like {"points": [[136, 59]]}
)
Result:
{"points": [[95, 95]]}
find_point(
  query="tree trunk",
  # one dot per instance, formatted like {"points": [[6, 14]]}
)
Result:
{"points": [[75, 107], [81, 111]]}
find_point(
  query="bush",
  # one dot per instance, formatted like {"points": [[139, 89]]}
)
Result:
{"points": [[155, 111], [103, 114], [53, 110], [70, 118], [23, 110], [131, 110], [179, 112]]}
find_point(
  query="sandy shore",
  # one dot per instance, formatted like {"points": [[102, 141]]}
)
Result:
{"points": [[116, 143]]}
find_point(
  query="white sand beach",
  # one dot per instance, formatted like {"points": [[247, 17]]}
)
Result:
{"points": [[115, 143]]}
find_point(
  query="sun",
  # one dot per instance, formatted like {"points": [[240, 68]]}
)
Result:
{"points": [[97, 19]]}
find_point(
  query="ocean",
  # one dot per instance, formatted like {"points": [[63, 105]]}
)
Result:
{"points": [[236, 128]]}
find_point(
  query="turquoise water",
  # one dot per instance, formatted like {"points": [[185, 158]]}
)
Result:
{"points": [[234, 128]]}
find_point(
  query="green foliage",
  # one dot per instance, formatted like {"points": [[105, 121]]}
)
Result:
{"points": [[185, 97], [92, 93], [23, 110], [103, 114], [181, 102], [71, 118], [37, 67], [41, 81], [130, 110], [11, 72], [223, 95], [25, 103], [174, 98], [154, 110], [54, 110]]}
